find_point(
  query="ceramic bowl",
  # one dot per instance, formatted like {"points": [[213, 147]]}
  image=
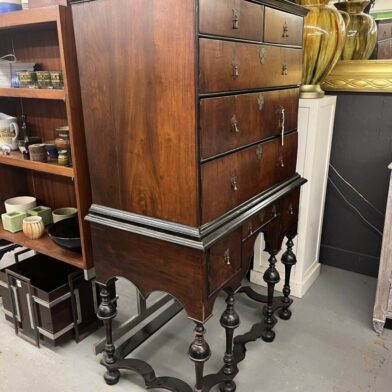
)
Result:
{"points": [[66, 233], [33, 227], [21, 203], [64, 213]]}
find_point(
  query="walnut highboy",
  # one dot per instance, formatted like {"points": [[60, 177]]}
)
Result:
{"points": [[190, 111]]}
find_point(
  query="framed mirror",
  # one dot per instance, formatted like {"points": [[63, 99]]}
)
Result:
{"points": [[375, 74]]}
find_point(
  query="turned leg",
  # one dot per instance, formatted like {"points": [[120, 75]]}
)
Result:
{"points": [[107, 312], [288, 259], [271, 277], [199, 353], [230, 321]]}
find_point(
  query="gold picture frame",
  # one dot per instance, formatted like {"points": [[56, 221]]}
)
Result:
{"points": [[370, 76]]}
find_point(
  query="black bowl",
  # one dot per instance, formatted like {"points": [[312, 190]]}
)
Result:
{"points": [[66, 234]]}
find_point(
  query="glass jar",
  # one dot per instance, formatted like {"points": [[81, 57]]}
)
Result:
{"points": [[63, 159], [62, 141]]}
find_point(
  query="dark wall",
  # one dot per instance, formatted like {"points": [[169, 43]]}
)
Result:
{"points": [[361, 152]]}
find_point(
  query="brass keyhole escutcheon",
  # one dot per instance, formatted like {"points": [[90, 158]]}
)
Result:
{"points": [[281, 161], [291, 210], [226, 257], [259, 152], [262, 55], [285, 30], [274, 211], [234, 124], [250, 229], [234, 183], [260, 102], [285, 69], [236, 19], [235, 68]]}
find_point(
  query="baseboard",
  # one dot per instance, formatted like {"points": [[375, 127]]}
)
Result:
{"points": [[298, 289]]}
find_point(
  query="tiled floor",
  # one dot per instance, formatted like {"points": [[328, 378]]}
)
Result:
{"points": [[328, 346]]}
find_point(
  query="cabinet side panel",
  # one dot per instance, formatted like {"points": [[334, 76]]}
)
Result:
{"points": [[137, 73]]}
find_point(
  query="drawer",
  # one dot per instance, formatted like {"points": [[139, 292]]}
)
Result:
{"points": [[283, 28], [228, 66], [290, 210], [261, 219], [224, 261], [231, 18], [384, 31], [233, 179], [230, 122], [384, 50]]}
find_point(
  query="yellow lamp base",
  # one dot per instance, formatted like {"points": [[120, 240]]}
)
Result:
{"points": [[311, 91]]}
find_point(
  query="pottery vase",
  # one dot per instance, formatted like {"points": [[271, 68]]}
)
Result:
{"points": [[33, 227], [324, 37], [361, 31]]}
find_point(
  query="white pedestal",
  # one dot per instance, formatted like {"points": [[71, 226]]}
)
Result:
{"points": [[315, 126]]}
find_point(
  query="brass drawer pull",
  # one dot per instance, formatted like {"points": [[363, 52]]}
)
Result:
{"points": [[250, 229], [259, 152], [291, 209], [236, 19], [285, 30], [234, 124], [234, 183], [226, 256], [274, 212], [285, 69], [281, 161], [262, 55], [235, 69], [260, 102]]}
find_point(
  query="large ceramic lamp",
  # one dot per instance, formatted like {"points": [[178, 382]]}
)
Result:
{"points": [[361, 32], [324, 37]]}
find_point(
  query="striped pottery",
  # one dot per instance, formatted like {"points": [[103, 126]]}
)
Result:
{"points": [[361, 32], [324, 36], [10, 5], [33, 227]]}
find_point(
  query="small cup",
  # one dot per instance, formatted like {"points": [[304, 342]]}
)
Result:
{"points": [[27, 79], [33, 227], [51, 152], [56, 78], [44, 79], [38, 152], [64, 213]]}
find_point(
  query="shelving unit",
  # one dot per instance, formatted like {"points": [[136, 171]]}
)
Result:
{"points": [[45, 36]]}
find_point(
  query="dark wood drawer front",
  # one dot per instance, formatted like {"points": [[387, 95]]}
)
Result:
{"points": [[224, 260], [384, 31], [231, 180], [282, 28], [261, 219], [228, 66], [230, 122], [290, 210], [231, 18]]}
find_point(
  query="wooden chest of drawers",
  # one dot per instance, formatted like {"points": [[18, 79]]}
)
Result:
{"points": [[191, 114]]}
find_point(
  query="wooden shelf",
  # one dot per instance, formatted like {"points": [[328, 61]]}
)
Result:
{"points": [[45, 246], [16, 159], [33, 93], [33, 16]]}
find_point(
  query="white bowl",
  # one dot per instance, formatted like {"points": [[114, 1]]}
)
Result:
{"points": [[21, 203]]}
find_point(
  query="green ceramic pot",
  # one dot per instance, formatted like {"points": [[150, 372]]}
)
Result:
{"points": [[324, 36], [361, 32]]}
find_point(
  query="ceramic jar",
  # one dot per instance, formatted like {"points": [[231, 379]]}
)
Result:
{"points": [[62, 141], [38, 152], [361, 31], [324, 37], [33, 227]]}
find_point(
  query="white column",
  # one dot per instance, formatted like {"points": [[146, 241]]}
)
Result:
{"points": [[315, 127]]}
